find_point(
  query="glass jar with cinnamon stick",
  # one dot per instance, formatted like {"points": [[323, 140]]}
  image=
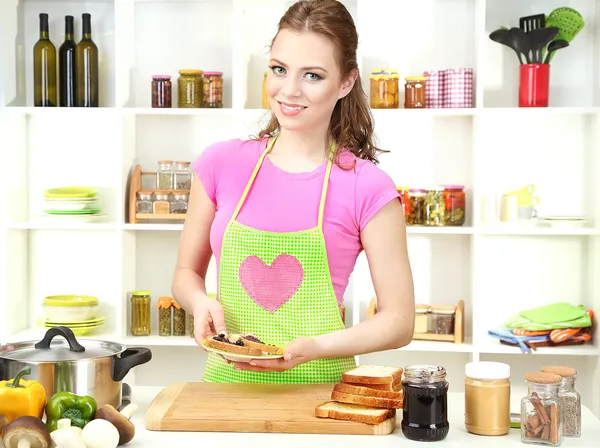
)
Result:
{"points": [[541, 419]]}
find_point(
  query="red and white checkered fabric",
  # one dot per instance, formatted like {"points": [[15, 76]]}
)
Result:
{"points": [[434, 88], [458, 88]]}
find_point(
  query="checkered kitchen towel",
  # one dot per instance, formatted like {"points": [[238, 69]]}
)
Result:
{"points": [[434, 88], [458, 88]]}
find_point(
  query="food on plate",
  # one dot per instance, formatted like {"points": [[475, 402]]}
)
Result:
{"points": [[19, 397], [27, 431], [120, 420], [80, 409], [241, 344], [353, 412]]}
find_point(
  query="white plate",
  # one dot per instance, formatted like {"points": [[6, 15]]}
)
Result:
{"points": [[239, 358]]}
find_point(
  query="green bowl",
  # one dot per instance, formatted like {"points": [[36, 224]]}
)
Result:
{"points": [[72, 300], [71, 192]]}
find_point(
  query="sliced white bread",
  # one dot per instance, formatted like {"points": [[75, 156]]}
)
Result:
{"points": [[369, 374], [353, 412], [376, 402], [395, 386], [367, 391]]}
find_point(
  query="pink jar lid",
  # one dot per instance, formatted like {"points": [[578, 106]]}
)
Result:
{"points": [[417, 190], [213, 73], [161, 77], [454, 187]]}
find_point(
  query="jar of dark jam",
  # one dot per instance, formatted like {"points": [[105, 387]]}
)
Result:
{"points": [[425, 410]]}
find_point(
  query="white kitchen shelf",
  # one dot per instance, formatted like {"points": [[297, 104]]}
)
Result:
{"points": [[490, 148]]}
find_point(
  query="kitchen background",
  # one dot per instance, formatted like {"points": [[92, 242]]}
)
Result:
{"points": [[497, 268]]}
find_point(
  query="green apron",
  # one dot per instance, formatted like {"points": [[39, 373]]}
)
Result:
{"points": [[277, 286]]}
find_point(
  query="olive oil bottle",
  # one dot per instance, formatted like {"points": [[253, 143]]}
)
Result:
{"points": [[66, 66], [44, 68], [86, 67]]}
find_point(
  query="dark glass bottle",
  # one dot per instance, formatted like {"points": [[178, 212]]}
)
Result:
{"points": [[44, 68], [66, 66], [86, 63]]}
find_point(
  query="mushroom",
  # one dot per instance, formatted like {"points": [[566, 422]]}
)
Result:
{"points": [[27, 432], [120, 420], [67, 436], [3, 423], [100, 433]]}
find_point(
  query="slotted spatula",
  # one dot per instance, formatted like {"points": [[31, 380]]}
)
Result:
{"points": [[530, 23], [569, 23]]}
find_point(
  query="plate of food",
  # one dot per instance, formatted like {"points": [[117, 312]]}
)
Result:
{"points": [[241, 347]]}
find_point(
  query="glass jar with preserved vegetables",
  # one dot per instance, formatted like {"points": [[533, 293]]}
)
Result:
{"points": [[416, 215], [213, 89], [541, 412], [140, 313], [425, 404], [405, 200], [454, 203], [165, 312], [189, 87], [384, 89], [178, 320], [435, 209], [191, 325], [161, 91]]}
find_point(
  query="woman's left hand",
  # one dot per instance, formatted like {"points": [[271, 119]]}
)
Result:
{"points": [[298, 351]]}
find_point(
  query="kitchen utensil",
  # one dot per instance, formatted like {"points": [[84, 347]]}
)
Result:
{"points": [[553, 46], [502, 36], [530, 23], [250, 407], [569, 21], [95, 368], [538, 39], [521, 42]]}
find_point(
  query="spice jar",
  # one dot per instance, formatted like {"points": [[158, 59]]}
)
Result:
{"points": [[164, 175], [161, 91], [213, 89], [425, 404], [165, 307], [435, 208], [179, 204], [384, 89], [178, 320], [454, 204], [265, 98], [140, 313], [191, 324], [421, 319], [416, 215], [182, 176], [442, 321], [414, 92], [189, 86], [161, 205], [405, 200], [570, 400], [487, 398], [143, 203], [541, 420]]}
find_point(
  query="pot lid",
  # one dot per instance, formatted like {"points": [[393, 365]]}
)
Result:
{"points": [[67, 349]]}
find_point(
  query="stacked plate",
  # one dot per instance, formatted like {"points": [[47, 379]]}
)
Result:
{"points": [[79, 313], [75, 201]]}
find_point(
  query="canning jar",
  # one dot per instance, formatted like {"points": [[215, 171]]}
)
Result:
{"points": [[442, 321], [384, 89], [435, 208], [421, 319], [425, 404], [541, 419], [404, 200], [191, 325], [189, 86], [165, 307], [414, 92], [140, 313], [454, 204], [178, 320], [570, 399], [416, 215], [161, 91], [487, 398], [161, 205], [143, 203], [182, 176], [265, 98], [213, 89], [164, 175]]}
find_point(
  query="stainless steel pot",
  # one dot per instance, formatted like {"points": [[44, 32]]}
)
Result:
{"points": [[95, 368]]}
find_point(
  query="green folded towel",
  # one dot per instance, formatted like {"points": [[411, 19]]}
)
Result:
{"points": [[551, 317]]}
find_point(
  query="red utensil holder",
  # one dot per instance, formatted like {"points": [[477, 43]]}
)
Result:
{"points": [[534, 85]]}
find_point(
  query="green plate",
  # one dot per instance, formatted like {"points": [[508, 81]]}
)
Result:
{"points": [[71, 192], [87, 211]]}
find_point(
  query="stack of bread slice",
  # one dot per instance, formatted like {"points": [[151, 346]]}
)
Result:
{"points": [[367, 394]]}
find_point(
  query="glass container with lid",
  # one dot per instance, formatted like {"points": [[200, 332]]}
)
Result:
{"points": [[165, 315], [161, 91], [213, 89], [454, 204], [442, 321], [182, 175], [384, 88], [414, 92], [416, 215], [570, 399], [189, 87], [541, 414], [421, 319], [435, 209], [164, 175], [144, 202], [140, 313]]}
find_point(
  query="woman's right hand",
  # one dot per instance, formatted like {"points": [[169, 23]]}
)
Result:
{"points": [[209, 319]]}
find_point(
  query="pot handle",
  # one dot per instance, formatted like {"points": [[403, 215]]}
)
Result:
{"points": [[66, 333], [130, 358]]}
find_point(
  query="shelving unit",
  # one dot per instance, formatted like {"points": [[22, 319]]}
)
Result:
{"points": [[491, 148]]}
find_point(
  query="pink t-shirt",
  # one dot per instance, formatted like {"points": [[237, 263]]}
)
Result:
{"points": [[286, 202]]}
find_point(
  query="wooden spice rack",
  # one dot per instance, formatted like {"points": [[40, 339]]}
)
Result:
{"points": [[135, 187], [457, 336]]}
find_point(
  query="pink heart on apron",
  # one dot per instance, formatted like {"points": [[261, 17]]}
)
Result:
{"points": [[271, 286]]}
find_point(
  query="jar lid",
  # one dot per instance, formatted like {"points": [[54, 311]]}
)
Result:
{"points": [[161, 77], [191, 72], [425, 372], [213, 73], [543, 378], [164, 302], [140, 292], [487, 370], [183, 163], [165, 162], [416, 190], [421, 310], [454, 187], [437, 311], [565, 372], [384, 73], [402, 188], [415, 78], [435, 188]]}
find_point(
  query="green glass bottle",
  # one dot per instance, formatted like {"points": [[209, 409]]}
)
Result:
{"points": [[44, 68], [66, 67], [86, 67]]}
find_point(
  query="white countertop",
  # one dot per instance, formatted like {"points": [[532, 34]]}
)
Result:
{"points": [[457, 437]]}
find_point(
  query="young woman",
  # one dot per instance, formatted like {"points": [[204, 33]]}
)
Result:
{"points": [[287, 214]]}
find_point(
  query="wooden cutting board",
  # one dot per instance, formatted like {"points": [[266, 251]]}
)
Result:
{"points": [[235, 407]]}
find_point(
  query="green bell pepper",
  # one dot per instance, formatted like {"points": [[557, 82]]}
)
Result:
{"points": [[79, 409]]}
